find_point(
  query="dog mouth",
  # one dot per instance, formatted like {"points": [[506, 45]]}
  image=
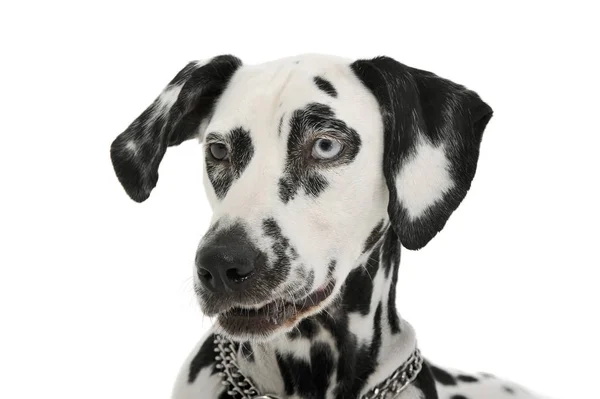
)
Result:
{"points": [[280, 313]]}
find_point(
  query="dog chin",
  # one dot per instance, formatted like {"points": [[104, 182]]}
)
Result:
{"points": [[274, 318]]}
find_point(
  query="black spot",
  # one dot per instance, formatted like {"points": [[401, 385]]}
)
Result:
{"points": [[296, 374], [509, 390], [288, 373], [366, 359], [247, 351], [442, 376], [242, 150], [372, 264], [458, 397], [315, 184], [331, 268], [222, 173], [467, 378], [307, 329], [293, 253], [204, 358], [393, 318], [287, 189], [326, 86], [358, 287], [390, 259], [310, 280], [224, 395], [425, 383], [322, 364], [302, 171], [294, 334], [310, 380], [281, 246], [280, 125], [373, 237]]}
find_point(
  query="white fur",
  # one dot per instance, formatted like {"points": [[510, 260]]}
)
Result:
{"points": [[132, 146], [169, 96], [423, 179]]}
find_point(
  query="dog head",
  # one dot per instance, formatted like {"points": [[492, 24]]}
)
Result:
{"points": [[308, 159]]}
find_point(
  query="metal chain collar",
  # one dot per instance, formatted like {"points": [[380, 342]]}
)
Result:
{"points": [[399, 380], [236, 383], [241, 387]]}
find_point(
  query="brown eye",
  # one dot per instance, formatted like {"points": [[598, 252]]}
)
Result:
{"points": [[218, 151]]}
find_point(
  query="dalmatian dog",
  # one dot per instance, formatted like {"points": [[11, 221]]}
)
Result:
{"points": [[318, 170]]}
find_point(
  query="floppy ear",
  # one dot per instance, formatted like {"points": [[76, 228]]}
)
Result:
{"points": [[178, 114], [433, 129]]}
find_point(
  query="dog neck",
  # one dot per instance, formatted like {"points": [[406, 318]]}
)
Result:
{"points": [[357, 342]]}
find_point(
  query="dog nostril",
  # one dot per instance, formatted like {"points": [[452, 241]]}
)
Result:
{"points": [[204, 274], [238, 276]]}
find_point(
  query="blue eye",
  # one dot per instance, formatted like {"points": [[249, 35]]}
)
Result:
{"points": [[326, 148]]}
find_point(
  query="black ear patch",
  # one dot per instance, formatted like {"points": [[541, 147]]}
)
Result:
{"points": [[432, 133], [175, 116], [326, 86]]}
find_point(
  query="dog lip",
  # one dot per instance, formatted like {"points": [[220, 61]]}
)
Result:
{"points": [[273, 315]]}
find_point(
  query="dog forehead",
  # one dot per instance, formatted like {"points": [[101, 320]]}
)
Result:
{"points": [[260, 97]]}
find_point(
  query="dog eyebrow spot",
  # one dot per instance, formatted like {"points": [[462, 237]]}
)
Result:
{"points": [[302, 172], [222, 174], [325, 86]]}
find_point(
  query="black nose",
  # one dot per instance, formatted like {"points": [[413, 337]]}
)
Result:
{"points": [[227, 261]]}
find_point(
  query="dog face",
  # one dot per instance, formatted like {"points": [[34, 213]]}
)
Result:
{"points": [[307, 160]]}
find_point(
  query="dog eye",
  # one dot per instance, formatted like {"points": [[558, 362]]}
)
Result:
{"points": [[218, 151], [326, 148]]}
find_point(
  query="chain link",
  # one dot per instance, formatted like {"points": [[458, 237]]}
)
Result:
{"points": [[240, 387], [399, 380]]}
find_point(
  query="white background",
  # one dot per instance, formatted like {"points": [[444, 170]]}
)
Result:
{"points": [[95, 291]]}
